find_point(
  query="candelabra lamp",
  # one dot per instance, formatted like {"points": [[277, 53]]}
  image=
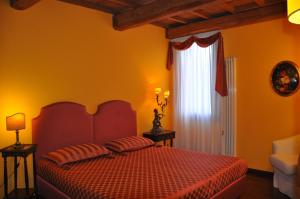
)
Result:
{"points": [[16, 122], [157, 127]]}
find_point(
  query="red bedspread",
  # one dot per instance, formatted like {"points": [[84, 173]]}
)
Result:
{"points": [[154, 172]]}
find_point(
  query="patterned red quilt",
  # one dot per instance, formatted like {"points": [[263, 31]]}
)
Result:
{"points": [[154, 172]]}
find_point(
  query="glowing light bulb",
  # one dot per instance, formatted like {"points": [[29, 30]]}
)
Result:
{"points": [[157, 91], [167, 94]]}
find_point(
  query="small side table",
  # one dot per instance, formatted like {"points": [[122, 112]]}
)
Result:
{"points": [[10, 151], [163, 136]]}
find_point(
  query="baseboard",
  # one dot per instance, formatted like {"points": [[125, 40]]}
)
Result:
{"points": [[260, 173]]}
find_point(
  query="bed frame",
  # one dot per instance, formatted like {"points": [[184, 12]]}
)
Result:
{"points": [[66, 123]]}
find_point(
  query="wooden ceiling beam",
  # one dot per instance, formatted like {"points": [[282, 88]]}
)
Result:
{"points": [[227, 8], [90, 4], [160, 24], [120, 2], [140, 2], [159, 9], [260, 2], [244, 18], [199, 14], [22, 4], [178, 19]]}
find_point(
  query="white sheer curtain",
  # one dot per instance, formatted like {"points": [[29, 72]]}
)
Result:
{"points": [[197, 111]]}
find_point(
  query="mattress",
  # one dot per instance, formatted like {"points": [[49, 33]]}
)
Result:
{"points": [[153, 172]]}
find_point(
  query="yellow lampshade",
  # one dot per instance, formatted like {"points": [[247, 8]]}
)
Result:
{"points": [[15, 122], [294, 11]]}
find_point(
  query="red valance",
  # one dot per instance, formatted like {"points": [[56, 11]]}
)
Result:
{"points": [[221, 85]]}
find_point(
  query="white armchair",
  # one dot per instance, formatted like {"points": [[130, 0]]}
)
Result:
{"points": [[284, 161]]}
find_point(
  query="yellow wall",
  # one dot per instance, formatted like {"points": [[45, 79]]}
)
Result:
{"points": [[55, 51], [262, 115]]}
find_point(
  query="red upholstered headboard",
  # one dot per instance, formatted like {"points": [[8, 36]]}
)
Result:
{"points": [[61, 124], [67, 123], [114, 119]]}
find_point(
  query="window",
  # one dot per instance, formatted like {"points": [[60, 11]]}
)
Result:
{"points": [[197, 112], [200, 113], [195, 80]]}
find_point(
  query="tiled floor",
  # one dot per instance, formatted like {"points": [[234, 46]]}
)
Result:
{"points": [[261, 188]]}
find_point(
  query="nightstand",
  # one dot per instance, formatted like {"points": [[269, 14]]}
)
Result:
{"points": [[10, 151], [163, 136]]}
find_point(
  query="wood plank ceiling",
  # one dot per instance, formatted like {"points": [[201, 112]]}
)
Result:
{"points": [[183, 17]]}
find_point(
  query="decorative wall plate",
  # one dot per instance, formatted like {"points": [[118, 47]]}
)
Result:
{"points": [[285, 78]]}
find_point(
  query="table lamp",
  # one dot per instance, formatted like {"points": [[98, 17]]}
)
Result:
{"points": [[157, 127], [16, 122]]}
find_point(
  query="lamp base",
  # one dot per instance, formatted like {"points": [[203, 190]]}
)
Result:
{"points": [[18, 146], [156, 129]]}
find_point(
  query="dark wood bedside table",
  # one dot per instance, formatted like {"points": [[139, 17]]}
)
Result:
{"points": [[10, 151], [163, 136]]}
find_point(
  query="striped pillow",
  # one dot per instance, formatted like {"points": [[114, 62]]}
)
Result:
{"points": [[76, 153], [131, 143]]}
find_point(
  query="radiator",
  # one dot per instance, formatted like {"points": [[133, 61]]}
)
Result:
{"points": [[229, 110]]}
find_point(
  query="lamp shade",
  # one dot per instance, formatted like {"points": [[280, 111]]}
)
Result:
{"points": [[15, 122], [294, 11]]}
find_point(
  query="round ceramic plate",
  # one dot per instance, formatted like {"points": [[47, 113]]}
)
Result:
{"points": [[285, 78]]}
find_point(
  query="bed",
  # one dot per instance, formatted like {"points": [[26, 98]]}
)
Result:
{"points": [[151, 172]]}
